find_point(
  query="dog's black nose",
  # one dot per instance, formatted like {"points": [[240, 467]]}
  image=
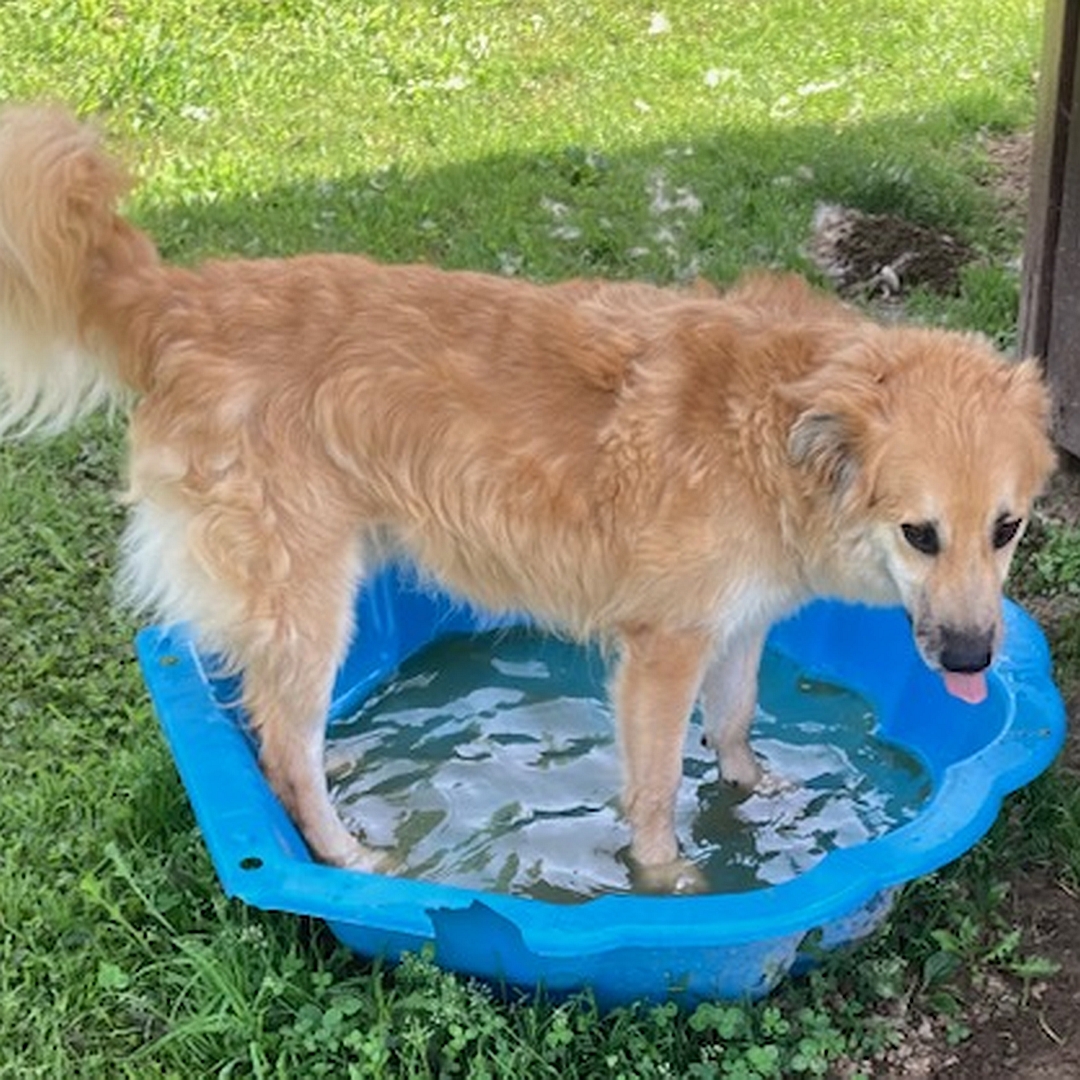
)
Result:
{"points": [[966, 651]]}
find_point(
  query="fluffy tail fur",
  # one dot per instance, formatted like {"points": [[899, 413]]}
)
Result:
{"points": [[60, 236]]}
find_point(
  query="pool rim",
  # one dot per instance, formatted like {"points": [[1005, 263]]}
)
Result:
{"points": [[261, 859]]}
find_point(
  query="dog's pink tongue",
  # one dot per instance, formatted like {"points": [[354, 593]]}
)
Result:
{"points": [[967, 687]]}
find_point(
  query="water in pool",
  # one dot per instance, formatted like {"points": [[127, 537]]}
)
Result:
{"points": [[490, 762]]}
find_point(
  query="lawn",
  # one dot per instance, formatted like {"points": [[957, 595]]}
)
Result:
{"points": [[544, 139]]}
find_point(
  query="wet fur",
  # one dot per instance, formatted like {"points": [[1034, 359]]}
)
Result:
{"points": [[669, 471]]}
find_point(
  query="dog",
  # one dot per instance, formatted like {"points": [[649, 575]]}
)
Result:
{"points": [[668, 471]]}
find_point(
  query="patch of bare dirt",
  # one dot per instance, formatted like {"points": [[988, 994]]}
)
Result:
{"points": [[875, 256], [1020, 1031], [1009, 171]]}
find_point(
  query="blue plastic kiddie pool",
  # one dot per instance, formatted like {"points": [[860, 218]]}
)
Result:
{"points": [[628, 946]]}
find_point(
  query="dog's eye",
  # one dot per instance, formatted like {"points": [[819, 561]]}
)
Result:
{"points": [[922, 537], [1005, 529]]}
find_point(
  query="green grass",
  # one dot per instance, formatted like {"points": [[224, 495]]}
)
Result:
{"points": [[546, 139]]}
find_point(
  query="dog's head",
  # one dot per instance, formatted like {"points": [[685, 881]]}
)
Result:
{"points": [[930, 448]]}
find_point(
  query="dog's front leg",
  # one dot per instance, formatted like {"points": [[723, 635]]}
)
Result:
{"points": [[728, 700], [654, 690]]}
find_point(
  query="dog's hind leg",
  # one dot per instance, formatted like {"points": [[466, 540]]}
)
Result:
{"points": [[654, 690], [286, 694], [289, 665], [728, 700], [273, 594]]}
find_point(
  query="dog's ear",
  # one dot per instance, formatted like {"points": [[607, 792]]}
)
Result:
{"points": [[1029, 393], [1031, 405], [826, 444], [836, 410]]}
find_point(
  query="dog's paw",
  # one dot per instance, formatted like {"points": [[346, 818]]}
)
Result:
{"points": [[740, 768], [770, 784], [369, 860], [383, 861], [679, 877]]}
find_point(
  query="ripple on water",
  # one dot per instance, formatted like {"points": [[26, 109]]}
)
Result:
{"points": [[489, 762]]}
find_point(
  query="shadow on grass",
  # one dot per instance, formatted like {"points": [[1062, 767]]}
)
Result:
{"points": [[711, 204]]}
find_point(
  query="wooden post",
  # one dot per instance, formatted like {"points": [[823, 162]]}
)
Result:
{"points": [[1050, 297]]}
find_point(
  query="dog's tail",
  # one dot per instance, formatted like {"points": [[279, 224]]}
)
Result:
{"points": [[63, 248]]}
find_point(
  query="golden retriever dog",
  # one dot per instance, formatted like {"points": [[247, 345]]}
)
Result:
{"points": [[668, 471]]}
